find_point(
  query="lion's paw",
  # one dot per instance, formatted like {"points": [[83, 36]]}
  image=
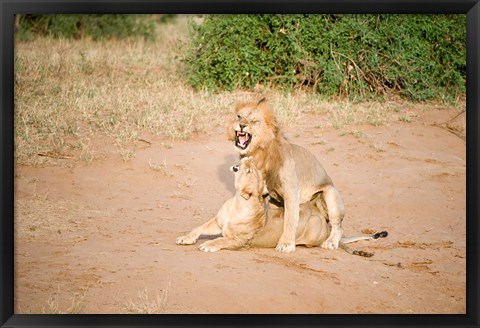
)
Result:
{"points": [[334, 239], [208, 246], [185, 240], [330, 243], [285, 247]]}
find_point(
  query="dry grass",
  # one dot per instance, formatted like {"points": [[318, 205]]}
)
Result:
{"points": [[144, 304], [67, 92], [54, 305], [161, 167], [71, 93]]}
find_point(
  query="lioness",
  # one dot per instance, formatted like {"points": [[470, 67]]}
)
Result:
{"points": [[246, 219], [293, 175], [239, 218]]}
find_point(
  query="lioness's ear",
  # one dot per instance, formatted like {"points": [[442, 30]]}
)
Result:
{"points": [[245, 193]]}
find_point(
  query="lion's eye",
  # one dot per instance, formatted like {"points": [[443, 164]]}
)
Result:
{"points": [[239, 117]]}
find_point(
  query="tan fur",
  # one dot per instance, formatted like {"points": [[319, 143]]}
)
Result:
{"points": [[293, 175], [248, 219], [245, 219], [239, 218], [312, 229]]}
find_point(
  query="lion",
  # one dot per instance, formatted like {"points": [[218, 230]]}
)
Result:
{"points": [[247, 220], [293, 175], [239, 218]]}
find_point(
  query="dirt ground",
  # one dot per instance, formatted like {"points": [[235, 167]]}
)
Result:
{"points": [[100, 237]]}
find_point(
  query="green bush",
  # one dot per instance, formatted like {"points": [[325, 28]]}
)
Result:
{"points": [[95, 26], [358, 57]]}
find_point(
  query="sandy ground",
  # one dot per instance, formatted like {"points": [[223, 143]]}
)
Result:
{"points": [[100, 237]]}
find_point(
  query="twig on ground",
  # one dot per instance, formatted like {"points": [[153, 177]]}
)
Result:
{"points": [[446, 126], [55, 156]]}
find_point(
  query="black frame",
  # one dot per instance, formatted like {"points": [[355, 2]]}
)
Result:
{"points": [[10, 7]]}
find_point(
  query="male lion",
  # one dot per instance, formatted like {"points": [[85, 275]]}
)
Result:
{"points": [[247, 220], [293, 175]]}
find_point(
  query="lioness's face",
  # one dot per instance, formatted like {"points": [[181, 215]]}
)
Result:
{"points": [[250, 129], [248, 179]]}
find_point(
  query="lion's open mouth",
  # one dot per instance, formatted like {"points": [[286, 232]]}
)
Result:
{"points": [[242, 139]]}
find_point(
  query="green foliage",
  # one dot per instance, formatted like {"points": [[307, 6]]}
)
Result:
{"points": [[95, 26], [356, 56]]}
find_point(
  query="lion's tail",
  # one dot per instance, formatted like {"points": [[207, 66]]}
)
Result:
{"points": [[348, 240]]}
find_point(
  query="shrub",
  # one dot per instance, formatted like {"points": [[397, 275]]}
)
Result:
{"points": [[96, 26], [420, 57]]}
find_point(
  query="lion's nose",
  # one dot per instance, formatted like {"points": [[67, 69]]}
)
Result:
{"points": [[242, 126]]}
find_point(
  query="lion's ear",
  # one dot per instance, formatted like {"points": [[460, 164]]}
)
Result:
{"points": [[264, 99]]}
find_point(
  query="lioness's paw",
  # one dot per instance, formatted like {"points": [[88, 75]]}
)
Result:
{"points": [[285, 247], [185, 240], [208, 246]]}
